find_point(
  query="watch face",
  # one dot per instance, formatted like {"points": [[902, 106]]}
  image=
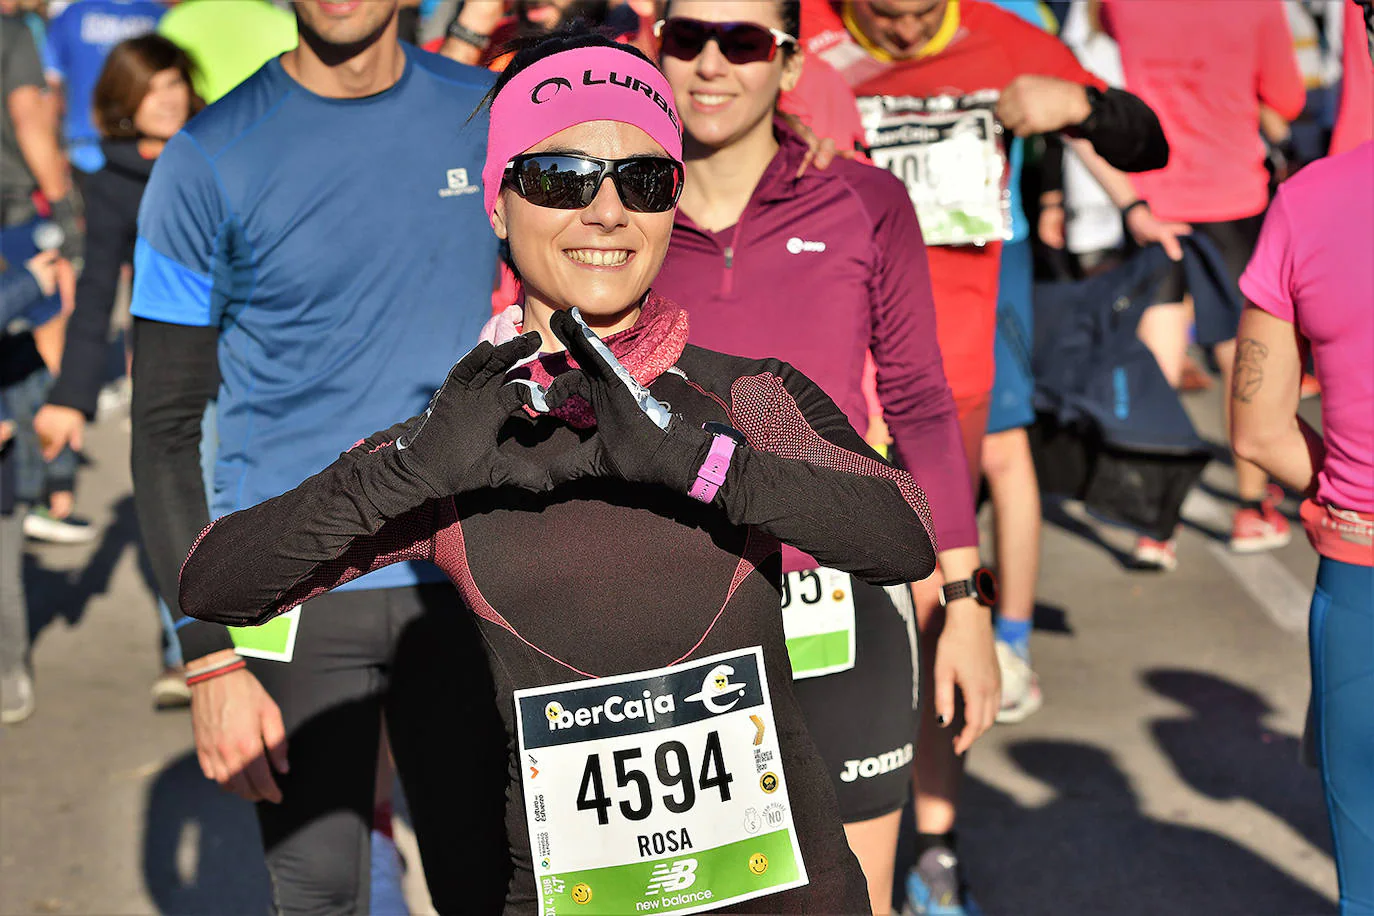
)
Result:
{"points": [[721, 429], [985, 586]]}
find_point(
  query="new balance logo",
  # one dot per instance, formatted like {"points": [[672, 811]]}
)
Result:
{"points": [[797, 246], [671, 877], [457, 184]]}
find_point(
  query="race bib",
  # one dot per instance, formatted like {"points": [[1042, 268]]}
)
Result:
{"points": [[818, 621], [948, 152], [661, 791], [274, 640]]}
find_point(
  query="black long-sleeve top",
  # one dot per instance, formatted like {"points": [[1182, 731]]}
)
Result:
{"points": [[112, 196], [1125, 132], [175, 374], [603, 577]]}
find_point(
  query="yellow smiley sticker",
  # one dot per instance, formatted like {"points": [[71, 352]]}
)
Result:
{"points": [[581, 893], [720, 681], [758, 863], [553, 711]]}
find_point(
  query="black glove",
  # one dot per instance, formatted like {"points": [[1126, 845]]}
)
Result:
{"points": [[65, 215], [451, 448], [626, 444]]}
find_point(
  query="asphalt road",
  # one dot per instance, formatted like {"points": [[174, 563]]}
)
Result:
{"points": [[1161, 777]]}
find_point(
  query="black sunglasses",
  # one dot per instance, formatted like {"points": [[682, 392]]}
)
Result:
{"points": [[739, 42], [570, 181]]}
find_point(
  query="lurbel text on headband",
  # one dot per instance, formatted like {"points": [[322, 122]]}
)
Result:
{"points": [[574, 87]]}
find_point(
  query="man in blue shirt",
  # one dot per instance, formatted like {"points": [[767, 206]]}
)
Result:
{"points": [[79, 40], [314, 256]]}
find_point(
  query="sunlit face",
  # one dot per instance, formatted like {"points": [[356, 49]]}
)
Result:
{"points": [[165, 107], [345, 22], [900, 27], [554, 250], [720, 102]]}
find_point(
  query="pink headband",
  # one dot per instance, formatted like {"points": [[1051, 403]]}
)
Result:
{"points": [[573, 87]]}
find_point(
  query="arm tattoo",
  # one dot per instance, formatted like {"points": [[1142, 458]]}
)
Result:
{"points": [[1249, 373]]}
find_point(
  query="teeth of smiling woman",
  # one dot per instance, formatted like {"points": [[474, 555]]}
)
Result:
{"points": [[706, 99], [596, 257]]}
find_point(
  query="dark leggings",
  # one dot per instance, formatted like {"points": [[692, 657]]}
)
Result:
{"points": [[415, 654]]}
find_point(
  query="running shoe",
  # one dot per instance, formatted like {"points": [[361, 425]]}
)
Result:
{"points": [[114, 399], [935, 887], [16, 697], [1265, 528], [42, 525], [1152, 554], [1021, 696], [170, 690]]}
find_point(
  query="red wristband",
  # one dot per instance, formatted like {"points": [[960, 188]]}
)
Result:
{"points": [[194, 679]]}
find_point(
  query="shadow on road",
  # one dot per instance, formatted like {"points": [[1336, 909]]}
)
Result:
{"points": [[201, 850], [1090, 849], [1055, 514], [54, 593], [1222, 748]]}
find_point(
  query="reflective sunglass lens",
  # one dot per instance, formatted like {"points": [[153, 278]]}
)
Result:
{"points": [[649, 185], [561, 182]]}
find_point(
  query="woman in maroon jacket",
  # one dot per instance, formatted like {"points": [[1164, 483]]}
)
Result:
{"points": [[612, 515], [821, 269]]}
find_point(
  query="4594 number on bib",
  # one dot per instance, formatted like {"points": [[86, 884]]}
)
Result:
{"points": [[657, 792]]}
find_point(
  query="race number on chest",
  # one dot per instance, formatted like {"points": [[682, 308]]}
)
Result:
{"points": [[948, 152], [661, 791]]}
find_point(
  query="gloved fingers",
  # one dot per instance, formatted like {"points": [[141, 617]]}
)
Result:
{"points": [[566, 329], [588, 459], [467, 368], [500, 359], [572, 383], [521, 392]]}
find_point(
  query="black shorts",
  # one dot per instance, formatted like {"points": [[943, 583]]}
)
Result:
{"points": [[863, 721], [415, 654], [1234, 238]]}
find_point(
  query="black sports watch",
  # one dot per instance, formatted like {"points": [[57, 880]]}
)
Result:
{"points": [[466, 35], [724, 429], [981, 586]]}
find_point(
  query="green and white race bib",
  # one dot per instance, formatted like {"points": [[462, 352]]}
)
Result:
{"points": [[274, 640], [818, 621], [948, 152], [661, 791]]}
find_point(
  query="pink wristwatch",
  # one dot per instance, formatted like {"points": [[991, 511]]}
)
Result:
{"points": [[711, 475]]}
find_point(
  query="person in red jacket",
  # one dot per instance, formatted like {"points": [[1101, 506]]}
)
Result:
{"points": [[940, 85], [1209, 95], [820, 269]]}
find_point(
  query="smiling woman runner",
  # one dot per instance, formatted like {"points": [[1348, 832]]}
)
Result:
{"points": [[820, 270], [613, 515]]}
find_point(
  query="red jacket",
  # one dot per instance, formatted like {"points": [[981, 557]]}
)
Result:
{"points": [[818, 271]]}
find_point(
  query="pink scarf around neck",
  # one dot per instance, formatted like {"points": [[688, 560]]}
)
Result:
{"points": [[648, 349]]}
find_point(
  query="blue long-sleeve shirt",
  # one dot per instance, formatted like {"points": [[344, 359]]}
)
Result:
{"points": [[340, 249]]}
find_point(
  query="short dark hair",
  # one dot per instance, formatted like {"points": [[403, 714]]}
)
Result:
{"points": [[530, 50], [124, 81], [789, 10]]}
